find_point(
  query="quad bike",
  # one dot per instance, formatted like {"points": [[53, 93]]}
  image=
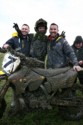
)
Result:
{"points": [[39, 88]]}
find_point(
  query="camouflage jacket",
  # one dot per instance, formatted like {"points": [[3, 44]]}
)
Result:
{"points": [[78, 52], [39, 47]]}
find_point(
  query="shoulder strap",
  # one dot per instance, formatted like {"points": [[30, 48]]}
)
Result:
{"points": [[58, 38]]}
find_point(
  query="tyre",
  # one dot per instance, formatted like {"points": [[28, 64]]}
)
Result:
{"points": [[2, 107], [73, 112]]}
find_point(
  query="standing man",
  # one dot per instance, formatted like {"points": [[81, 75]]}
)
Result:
{"points": [[21, 44], [78, 49], [59, 51], [39, 41]]}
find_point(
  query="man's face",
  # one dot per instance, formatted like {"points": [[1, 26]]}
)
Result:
{"points": [[53, 30], [41, 29], [78, 45], [25, 30]]}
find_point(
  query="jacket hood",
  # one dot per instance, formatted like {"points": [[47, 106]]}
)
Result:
{"points": [[40, 22]]}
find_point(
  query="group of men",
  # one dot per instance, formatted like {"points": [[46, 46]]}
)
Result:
{"points": [[53, 49]]}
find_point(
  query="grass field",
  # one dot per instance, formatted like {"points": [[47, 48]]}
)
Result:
{"points": [[37, 117]]}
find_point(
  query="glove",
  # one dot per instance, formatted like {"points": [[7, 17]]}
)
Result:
{"points": [[16, 26], [18, 30]]}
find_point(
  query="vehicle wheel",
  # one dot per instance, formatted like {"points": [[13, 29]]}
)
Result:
{"points": [[72, 112], [2, 107]]}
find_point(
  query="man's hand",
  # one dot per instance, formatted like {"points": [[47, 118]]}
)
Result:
{"points": [[18, 30], [16, 26], [80, 62], [77, 68], [5, 46]]}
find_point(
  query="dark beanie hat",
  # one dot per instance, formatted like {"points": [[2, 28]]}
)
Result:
{"points": [[78, 39]]}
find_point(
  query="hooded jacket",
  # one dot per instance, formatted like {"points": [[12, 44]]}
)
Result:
{"points": [[39, 41], [78, 51], [39, 46], [59, 52]]}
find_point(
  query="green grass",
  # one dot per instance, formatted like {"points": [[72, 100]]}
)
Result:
{"points": [[1, 58], [37, 117]]}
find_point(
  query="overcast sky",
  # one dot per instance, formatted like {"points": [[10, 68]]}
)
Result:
{"points": [[68, 14]]}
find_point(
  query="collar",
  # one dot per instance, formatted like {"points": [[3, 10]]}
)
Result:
{"points": [[50, 37]]}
